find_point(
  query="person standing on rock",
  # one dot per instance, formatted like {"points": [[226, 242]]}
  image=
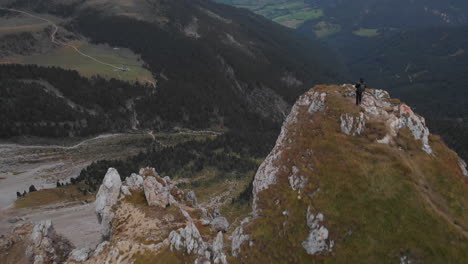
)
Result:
{"points": [[360, 88]]}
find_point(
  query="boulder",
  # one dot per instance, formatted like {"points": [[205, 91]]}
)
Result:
{"points": [[463, 167], [107, 197], [79, 255], [188, 239], [238, 238], [220, 223], [218, 254], [191, 197], [317, 241], [47, 246], [134, 182], [156, 194]]}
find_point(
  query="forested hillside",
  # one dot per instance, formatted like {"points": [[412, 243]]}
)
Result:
{"points": [[52, 102], [425, 67]]}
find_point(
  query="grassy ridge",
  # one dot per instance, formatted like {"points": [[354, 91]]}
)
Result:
{"points": [[379, 202]]}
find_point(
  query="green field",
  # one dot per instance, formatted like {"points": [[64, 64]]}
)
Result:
{"points": [[366, 32], [68, 58], [324, 29], [288, 13]]}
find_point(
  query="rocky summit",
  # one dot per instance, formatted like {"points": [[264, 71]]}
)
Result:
{"points": [[343, 184]]}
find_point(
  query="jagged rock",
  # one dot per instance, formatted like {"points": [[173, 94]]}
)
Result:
{"points": [[318, 102], [134, 182], [463, 167], [107, 197], [238, 238], [216, 212], [156, 194], [218, 254], [148, 172], [317, 240], [125, 190], [220, 223], [191, 197], [205, 222], [186, 215], [296, 181], [376, 105], [79, 255], [268, 171], [100, 248], [417, 125], [46, 245], [353, 125], [188, 238]]}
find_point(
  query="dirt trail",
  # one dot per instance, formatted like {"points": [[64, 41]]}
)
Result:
{"points": [[60, 43]]}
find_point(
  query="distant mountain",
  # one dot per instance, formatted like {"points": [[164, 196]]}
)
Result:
{"points": [[364, 17], [216, 66]]}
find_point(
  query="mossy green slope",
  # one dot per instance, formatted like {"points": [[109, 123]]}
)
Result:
{"points": [[381, 202]]}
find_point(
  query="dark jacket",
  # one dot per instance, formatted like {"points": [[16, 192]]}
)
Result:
{"points": [[360, 87]]}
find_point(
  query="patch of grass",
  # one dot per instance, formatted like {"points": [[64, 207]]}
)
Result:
{"points": [[53, 196], [137, 198], [166, 256], [367, 32], [68, 58], [324, 29]]}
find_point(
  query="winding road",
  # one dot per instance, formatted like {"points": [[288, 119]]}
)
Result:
{"points": [[57, 42]]}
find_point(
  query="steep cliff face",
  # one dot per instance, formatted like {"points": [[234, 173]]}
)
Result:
{"points": [[357, 184]]}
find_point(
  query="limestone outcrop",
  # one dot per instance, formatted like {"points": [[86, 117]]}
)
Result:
{"points": [[46, 245], [269, 169], [317, 241], [107, 197]]}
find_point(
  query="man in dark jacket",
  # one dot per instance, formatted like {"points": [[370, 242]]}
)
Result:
{"points": [[360, 87]]}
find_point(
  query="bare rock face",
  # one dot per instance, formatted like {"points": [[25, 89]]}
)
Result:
{"points": [[218, 254], [79, 255], [376, 104], [188, 239], [220, 224], [317, 241], [238, 238], [47, 246], [192, 198], [463, 167], [352, 125], [107, 197], [156, 193], [268, 170], [134, 182], [296, 181]]}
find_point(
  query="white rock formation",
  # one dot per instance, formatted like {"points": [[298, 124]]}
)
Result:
{"points": [[46, 245], [79, 255], [296, 181], [134, 182], [463, 167], [107, 197], [268, 171], [376, 105], [238, 238], [191, 197], [218, 254], [100, 248], [352, 125], [220, 223], [317, 241], [156, 193], [188, 239]]}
